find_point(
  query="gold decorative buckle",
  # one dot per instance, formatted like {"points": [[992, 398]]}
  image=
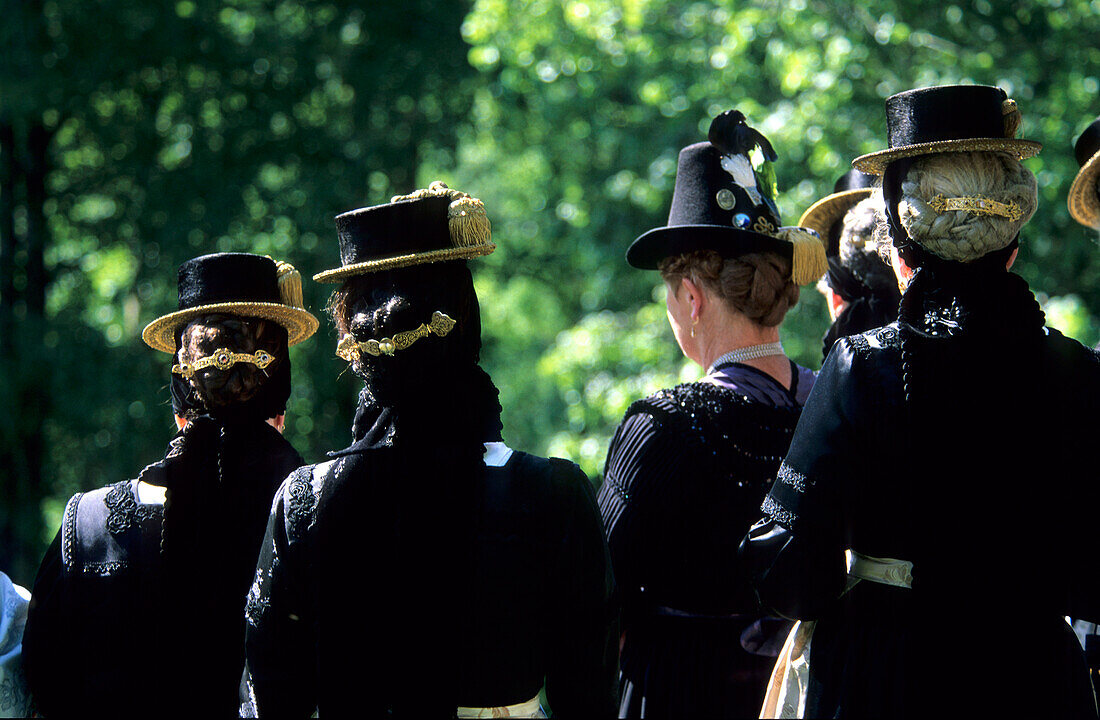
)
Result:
{"points": [[350, 350], [223, 359], [977, 204]]}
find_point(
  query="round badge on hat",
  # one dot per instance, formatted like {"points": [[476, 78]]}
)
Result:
{"points": [[724, 201], [235, 284], [1084, 194], [949, 118], [436, 224]]}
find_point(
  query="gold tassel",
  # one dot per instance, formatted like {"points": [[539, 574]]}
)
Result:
{"points": [[468, 222], [808, 262], [290, 284], [1012, 117]]}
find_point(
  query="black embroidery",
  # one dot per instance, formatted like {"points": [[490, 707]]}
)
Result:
{"points": [[104, 568], [301, 502], [123, 509], [744, 439], [68, 536], [882, 338], [257, 603], [778, 513]]}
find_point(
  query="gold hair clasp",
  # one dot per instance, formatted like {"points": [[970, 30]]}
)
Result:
{"points": [[223, 359], [350, 350], [977, 204]]}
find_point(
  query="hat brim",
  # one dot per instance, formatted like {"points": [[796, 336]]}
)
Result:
{"points": [[1084, 198], [825, 212], [659, 243], [300, 324], [875, 163], [399, 261]]}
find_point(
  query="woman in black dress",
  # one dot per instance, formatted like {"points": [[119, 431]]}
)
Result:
{"points": [[947, 452], [428, 569], [860, 287], [688, 466], [138, 606]]}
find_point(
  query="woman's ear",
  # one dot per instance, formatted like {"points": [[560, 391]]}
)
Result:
{"points": [[1012, 258], [180, 423], [694, 297]]}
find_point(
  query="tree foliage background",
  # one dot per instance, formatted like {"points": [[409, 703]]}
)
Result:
{"points": [[136, 135]]}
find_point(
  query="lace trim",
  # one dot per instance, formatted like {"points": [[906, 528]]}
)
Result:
{"points": [[104, 568], [792, 478], [881, 338], [68, 537], [123, 509], [257, 604], [778, 513]]}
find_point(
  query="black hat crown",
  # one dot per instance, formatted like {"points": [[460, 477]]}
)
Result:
{"points": [[949, 118], [724, 201], [235, 284], [854, 180], [430, 225], [1088, 144]]}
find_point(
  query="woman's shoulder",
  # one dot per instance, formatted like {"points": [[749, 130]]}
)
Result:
{"points": [[102, 529], [877, 343]]}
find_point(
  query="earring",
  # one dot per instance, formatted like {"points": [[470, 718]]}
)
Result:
{"points": [[693, 324]]}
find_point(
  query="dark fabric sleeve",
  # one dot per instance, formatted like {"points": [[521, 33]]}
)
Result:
{"points": [[796, 552], [44, 652], [280, 642], [642, 463], [582, 680]]}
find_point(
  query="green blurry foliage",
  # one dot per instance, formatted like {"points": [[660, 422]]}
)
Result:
{"points": [[195, 126]]}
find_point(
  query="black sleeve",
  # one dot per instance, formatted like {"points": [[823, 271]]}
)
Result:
{"points": [[796, 552], [280, 645], [642, 463], [44, 651], [582, 680]]}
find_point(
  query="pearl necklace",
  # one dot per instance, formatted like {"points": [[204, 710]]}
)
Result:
{"points": [[752, 352]]}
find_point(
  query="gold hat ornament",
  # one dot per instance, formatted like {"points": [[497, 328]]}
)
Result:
{"points": [[235, 284]]}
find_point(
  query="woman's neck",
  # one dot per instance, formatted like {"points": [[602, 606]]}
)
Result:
{"points": [[734, 331]]}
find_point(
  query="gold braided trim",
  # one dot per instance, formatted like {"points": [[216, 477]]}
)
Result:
{"points": [[1084, 195], [401, 261], [350, 350], [875, 163], [300, 324], [978, 205], [223, 359]]}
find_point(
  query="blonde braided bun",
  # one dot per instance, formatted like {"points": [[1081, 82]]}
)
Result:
{"points": [[962, 235]]}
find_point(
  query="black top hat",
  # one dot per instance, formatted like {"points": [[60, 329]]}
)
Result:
{"points": [[949, 118], [1084, 194], [850, 188], [235, 284], [723, 202], [427, 226]]}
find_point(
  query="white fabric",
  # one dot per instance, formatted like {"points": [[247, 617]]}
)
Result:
{"points": [[14, 701], [786, 695], [150, 494], [496, 454], [888, 571], [529, 709]]}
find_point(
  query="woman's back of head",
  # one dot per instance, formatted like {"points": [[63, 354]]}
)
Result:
{"points": [[756, 285], [212, 388]]}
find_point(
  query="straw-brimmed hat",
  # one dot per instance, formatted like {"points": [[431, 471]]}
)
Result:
{"points": [[235, 284], [432, 225], [1084, 194], [722, 202], [949, 118], [850, 188]]}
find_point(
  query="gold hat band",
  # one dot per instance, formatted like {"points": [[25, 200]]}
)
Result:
{"points": [[350, 350], [223, 359], [977, 204]]}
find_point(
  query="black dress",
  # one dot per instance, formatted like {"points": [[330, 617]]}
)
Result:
{"points": [[381, 589], [685, 475], [118, 625], [982, 491]]}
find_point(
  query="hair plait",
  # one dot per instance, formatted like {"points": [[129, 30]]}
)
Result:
{"points": [[207, 333], [962, 235]]}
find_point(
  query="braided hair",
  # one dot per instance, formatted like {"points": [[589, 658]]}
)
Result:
{"points": [[756, 285]]}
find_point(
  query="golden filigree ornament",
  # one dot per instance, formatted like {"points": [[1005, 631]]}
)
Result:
{"points": [[977, 204], [763, 226], [350, 350], [223, 359]]}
